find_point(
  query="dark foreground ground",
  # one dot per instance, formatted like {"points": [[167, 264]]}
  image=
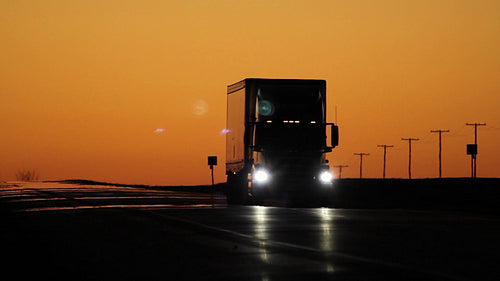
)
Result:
{"points": [[88, 231], [480, 194]]}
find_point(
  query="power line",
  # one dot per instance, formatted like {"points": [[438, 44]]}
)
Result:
{"points": [[361, 154], [440, 132], [409, 153], [385, 146], [474, 156]]}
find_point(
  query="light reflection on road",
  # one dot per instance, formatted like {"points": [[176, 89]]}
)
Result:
{"points": [[327, 234], [326, 229], [53, 196], [264, 225], [143, 207], [261, 231]]}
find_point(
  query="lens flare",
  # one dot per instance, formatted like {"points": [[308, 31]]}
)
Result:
{"points": [[224, 131], [266, 108], [200, 107]]}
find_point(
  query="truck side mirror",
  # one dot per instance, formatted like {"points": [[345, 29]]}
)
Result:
{"points": [[335, 135]]}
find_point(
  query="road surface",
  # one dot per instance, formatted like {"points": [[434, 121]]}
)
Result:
{"points": [[78, 232]]}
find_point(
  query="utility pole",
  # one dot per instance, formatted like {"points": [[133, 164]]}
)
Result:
{"points": [[340, 169], [361, 163], [474, 155], [385, 146], [409, 154], [440, 132]]}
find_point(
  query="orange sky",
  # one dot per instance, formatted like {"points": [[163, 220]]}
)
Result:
{"points": [[85, 85]]}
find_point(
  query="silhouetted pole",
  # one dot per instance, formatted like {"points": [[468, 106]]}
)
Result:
{"points": [[340, 169], [361, 163], [385, 146], [440, 132], [409, 154], [474, 156], [212, 161], [472, 165], [212, 170]]}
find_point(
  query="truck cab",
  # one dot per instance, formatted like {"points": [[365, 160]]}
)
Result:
{"points": [[276, 139]]}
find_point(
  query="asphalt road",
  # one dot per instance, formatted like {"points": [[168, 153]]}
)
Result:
{"points": [[74, 232]]}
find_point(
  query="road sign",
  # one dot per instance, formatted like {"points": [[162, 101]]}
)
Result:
{"points": [[471, 149], [212, 160]]}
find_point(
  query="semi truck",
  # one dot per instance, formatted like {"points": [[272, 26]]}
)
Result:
{"points": [[276, 141]]}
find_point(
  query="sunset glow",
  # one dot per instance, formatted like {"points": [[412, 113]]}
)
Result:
{"points": [[135, 91]]}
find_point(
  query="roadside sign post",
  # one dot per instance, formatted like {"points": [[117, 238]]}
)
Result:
{"points": [[212, 161], [472, 151], [473, 148]]}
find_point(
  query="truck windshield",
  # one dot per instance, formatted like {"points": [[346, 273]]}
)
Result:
{"points": [[290, 103]]}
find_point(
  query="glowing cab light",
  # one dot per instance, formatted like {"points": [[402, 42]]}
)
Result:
{"points": [[313, 122], [261, 176], [326, 177], [269, 121]]}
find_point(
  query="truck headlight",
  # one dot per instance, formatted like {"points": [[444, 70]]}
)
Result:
{"points": [[326, 177], [261, 176]]}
